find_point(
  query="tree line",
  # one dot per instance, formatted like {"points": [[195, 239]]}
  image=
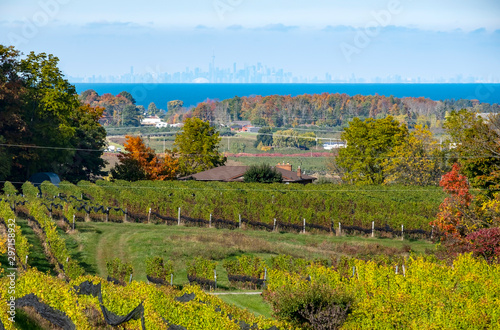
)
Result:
{"points": [[328, 110]]}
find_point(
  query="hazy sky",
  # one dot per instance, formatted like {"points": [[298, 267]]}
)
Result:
{"points": [[367, 38]]}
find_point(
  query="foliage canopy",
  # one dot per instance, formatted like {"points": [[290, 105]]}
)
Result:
{"points": [[369, 143], [197, 147]]}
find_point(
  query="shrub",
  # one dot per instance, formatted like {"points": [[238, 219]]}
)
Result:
{"points": [[49, 189], [29, 190], [485, 243], [319, 306], [289, 264]]}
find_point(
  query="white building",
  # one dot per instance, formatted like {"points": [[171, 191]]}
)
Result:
{"points": [[151, 121], [334, 145]]}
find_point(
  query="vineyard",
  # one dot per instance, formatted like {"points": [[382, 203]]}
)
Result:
{"points": [[416, 293], [387, 292], [267, 207]]}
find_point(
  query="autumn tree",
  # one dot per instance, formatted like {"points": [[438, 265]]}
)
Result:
{"points": [[456, 217], [197, 147], [174, 111], [369, 143], [142, 163], [417, 161]]}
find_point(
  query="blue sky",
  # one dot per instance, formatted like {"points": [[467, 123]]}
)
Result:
{"points": [[366, 38]]}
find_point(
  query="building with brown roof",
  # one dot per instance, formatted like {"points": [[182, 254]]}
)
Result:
{"points": [[236, 173]]}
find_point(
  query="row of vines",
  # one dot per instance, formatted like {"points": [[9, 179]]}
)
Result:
{"points": [[322, 205], [62, 300], [160, 306]]}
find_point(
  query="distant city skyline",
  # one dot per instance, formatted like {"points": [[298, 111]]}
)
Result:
{"points": [[366, 40], [256, 74]]}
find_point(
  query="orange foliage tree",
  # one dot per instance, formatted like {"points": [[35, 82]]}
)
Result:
{"points": [[142, 163]]}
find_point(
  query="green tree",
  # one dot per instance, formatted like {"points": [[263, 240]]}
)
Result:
{"points": [[235, 108], [292, 139], [197, 147], [130, 116], [368, 144], [259, 122], [152, 109], [129, 169], [417, 161], [265, 137], [89, 140], [476, 146], [41, 121], [49, 103], [262, 173], [12, 125]]}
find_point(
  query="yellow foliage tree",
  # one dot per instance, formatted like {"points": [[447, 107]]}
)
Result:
{"points": [[418, 161]]}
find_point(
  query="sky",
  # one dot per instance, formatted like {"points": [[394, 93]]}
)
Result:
{"points": [[365, 38]]}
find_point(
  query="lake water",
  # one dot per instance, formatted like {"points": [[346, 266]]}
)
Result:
{"points": [[192, 94]]}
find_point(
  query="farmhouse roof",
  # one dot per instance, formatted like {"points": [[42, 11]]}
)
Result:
{"points": [[235, 174]]}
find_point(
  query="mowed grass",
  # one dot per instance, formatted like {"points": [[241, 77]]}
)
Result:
{"points": [[253, 302]]}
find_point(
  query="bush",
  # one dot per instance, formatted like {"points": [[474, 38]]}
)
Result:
{"points": [[290, 264], [485, 243], [262, 173], [49, 189], [317, 307]]}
